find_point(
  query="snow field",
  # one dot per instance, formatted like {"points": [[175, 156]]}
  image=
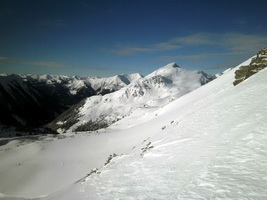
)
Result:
{"points": [[208, 144], [216, 152]]}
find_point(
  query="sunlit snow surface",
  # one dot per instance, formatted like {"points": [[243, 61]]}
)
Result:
{"points": [[208, 144], [151, 92]]}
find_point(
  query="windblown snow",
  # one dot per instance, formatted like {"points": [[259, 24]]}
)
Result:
{"points": [[207, 144]]}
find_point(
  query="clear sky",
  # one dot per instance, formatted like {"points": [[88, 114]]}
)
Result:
{"points": [[109, 37]]}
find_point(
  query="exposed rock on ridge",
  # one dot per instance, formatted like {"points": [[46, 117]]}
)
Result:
{"points": [[257, 63]]}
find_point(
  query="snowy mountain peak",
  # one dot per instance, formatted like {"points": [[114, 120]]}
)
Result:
{"points": [[167, 70], [171, 65], [127, 79], [150, 92]]}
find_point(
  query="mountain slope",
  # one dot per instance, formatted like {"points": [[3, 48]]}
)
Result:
{"points": [[34, 100], [211, 146], [147, 93], [111, 84], [216, 152], [207, 144]]}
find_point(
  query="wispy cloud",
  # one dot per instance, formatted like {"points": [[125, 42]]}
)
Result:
{"points": [[46, 64], [33, 63], [166, 46], [56, 23], [110, 69], [223, 64], [201, 56], [240, 22], [243, 42], [130, 50], [223, 50], [52, 64], [232, 43], [195, 39], [170, 45]]}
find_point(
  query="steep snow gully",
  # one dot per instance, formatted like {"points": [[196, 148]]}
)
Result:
{"points": [[207, 144]]}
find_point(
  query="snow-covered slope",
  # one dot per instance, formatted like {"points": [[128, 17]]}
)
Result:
{"points": [[148, 93], [207, 144], [212, 145], [33, 100]]}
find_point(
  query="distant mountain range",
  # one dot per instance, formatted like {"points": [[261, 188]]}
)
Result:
{"points": [[164, 142], [146, 93], [34, 100]]}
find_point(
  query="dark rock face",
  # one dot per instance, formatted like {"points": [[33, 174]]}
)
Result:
{"points": [[29, 102], [69, 118], [258, 63]]}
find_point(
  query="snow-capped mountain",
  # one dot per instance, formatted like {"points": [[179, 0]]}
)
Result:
{"points": [[111, 84], [148, 93], [33, 100], [207, 144]]}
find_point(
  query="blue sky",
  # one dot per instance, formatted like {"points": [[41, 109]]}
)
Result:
{"points": [[109, 37]]}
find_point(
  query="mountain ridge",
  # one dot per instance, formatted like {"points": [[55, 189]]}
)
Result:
{"points": [[154, 90], [34, 100], [207, 144], [257, 63]]}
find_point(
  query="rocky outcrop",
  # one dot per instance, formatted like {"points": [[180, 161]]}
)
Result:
{"points": [[257, 63]]}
